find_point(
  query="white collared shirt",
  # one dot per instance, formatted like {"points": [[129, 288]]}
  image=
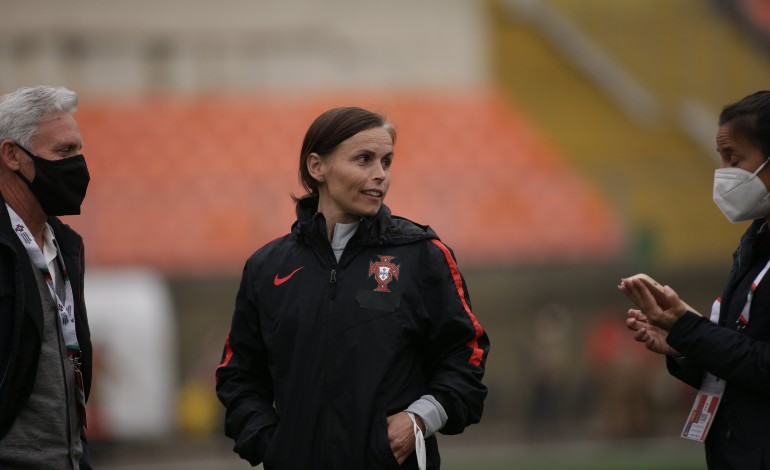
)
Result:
{"points": [[49, 248]]}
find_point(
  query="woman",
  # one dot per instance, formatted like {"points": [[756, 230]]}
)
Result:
{"points": [[352, 340], [727, 356]]}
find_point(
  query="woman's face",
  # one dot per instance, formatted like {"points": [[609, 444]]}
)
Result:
{"points": [[738, 152], [355, 178]]}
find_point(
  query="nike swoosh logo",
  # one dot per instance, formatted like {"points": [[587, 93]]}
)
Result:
{"points": [[280, 280]]}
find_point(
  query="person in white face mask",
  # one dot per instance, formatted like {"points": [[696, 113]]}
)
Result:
{"points": [[725, 355], [739, 193]]}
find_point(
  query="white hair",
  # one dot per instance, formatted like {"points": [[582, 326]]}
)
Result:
{"points": [[22, 110]]}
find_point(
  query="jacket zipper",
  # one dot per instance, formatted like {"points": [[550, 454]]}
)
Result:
{"points": [[330, 364]]}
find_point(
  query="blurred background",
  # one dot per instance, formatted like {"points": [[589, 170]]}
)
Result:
{"points": [[555, 145]]}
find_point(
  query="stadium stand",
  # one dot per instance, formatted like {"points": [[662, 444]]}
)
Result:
{"points": [[657, 174], [202, 182]]}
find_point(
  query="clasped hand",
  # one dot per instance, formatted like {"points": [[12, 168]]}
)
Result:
{"points": [[661, 308], [651, 322]]}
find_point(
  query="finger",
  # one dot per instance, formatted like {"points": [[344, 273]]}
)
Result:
{"points": [[651, 344], [637, 314], [642, 336], [634, 325], [648, 300], [675, 303], [627, 287], [640, 316], [400, 451], [631, 324], [636, 289], [669, 291], [624, 287]]}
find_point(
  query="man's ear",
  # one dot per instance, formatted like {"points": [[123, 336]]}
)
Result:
{"points": [[9, 155], [315, 167]]}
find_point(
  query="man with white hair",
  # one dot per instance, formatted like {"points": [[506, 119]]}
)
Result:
{"points": [[45, 345]]}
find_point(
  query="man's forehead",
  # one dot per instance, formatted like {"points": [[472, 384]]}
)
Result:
{"points": [[58, 130], [58, 119], [62, 126]]}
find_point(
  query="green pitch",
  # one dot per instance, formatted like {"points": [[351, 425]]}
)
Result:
{"points": [[644, 456]]}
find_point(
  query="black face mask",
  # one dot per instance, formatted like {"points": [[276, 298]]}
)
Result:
{"points": [[59, 185]]}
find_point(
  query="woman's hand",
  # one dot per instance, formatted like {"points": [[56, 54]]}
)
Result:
{"points": [[661, 309], [401, 435], [653, 337]]}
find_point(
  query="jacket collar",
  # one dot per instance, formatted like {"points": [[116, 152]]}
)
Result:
{"points": [[382, 228], [745, 251], [6, 231], [68, 239]]}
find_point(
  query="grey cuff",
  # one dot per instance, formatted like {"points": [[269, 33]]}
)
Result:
{"points": [[432, 413]]}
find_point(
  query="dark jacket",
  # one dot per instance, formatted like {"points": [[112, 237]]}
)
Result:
{"points": [[321, 352], [21, 316], [740, 434]]}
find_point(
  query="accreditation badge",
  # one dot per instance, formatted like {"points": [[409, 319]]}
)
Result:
{"points": [[704, 408]]}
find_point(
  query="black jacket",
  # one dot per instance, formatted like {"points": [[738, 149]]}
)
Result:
{"points": [[21, 316], [740, 434], [321, 352]]}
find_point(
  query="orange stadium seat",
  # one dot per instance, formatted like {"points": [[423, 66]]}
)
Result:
{"points": [[195, 185]]}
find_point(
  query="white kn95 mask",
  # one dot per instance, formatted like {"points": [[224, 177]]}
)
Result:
{"points": [[740, 194]]}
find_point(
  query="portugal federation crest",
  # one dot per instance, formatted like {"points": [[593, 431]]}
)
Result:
{"points": [[383, 271]]}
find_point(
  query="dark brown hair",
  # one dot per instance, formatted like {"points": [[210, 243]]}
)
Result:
{"points": [[331, 129], [750, 118]]}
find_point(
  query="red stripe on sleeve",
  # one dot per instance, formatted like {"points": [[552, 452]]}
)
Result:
{"points": [[228, 354], [477, 353]]}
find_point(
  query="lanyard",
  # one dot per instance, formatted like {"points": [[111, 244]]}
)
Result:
{"points": [[712, 389], [743, 319], [65, 309]]}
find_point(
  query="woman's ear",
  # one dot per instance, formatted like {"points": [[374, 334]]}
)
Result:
{"points": [[315, 167]]}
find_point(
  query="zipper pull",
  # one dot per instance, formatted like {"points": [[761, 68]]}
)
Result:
{"points": [[333, 282]]}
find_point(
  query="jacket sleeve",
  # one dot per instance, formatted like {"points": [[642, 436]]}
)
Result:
{"points": [[244, 384], [728, 354], [457, 344], [683, 369]]}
